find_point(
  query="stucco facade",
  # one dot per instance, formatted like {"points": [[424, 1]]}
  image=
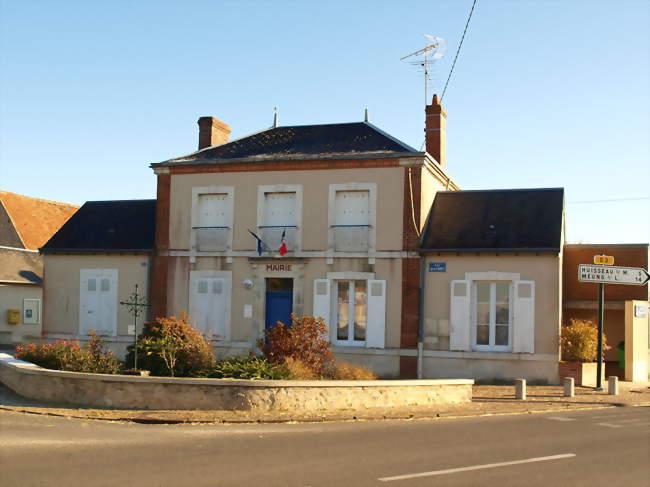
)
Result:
{"points": [[62, 293], [12, 297], [440, 358]]}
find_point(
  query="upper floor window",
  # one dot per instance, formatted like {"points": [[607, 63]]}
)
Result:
{"points": [[279, 209], [212, 219], [352, 217]]}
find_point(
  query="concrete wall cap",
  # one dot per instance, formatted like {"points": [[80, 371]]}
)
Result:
{"points": [[29, 368]]}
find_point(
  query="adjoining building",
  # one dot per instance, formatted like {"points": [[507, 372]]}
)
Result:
{"points": [[91, 264], [580, 299], [25, 224], [492, 284]]}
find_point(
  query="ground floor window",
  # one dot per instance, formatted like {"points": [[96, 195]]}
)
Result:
{"points": [[493, 315], [351, 311]]}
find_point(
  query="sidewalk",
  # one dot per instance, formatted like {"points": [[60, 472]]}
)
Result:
{"points": [[487, 401]]}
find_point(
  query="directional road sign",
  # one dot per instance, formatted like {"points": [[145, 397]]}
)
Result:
{"points": [[607, 274]]}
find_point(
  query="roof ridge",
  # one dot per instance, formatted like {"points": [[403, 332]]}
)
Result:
{"points": [[60, 203], [501, 190]]}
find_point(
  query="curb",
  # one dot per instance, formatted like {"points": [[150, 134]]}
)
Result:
{"points": [[411, 417]]}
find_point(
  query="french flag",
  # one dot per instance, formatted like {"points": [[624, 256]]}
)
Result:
{"points": [[283, 245]]}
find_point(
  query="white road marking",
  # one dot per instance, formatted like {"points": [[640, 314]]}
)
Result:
{"points": [[610, 425], [560, 418], [476, 467]]}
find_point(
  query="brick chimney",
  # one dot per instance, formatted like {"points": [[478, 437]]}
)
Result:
{"points": [[436, 131], [212, 131]]}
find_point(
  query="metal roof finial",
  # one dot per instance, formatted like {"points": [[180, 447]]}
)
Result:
{"points": [[275, 117], [365, 118]]}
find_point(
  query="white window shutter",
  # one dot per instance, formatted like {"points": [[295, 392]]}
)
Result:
{"points": [[459, 316], [524, 317], [322, 301], [376, 319]]}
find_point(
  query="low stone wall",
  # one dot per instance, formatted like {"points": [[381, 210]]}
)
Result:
{"points": [[129, 392]]}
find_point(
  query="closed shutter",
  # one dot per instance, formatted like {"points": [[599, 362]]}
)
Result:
{"points": [[98, 301], [376, 327], [213, 210], [524, 317], [280, 209], [210, 305], [459, 319], [322, 301]]}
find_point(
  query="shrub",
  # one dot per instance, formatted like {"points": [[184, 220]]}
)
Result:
{"points": [[248, 368], [298, 370], [304, 340], [347, 371], [579, 341], [173, 347], [69, 356]]}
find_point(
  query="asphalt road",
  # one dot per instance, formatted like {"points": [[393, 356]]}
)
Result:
{"points": [[606, 447]]}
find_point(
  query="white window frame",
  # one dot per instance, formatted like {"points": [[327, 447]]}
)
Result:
{"points": [[491, 276], [196, 192], [492, 325], [350, 342], [282, 188], [334, 278], [372, 208]]}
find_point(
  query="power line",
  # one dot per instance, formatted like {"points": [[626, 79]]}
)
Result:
{"points": [[458, 51], [608, 201]]}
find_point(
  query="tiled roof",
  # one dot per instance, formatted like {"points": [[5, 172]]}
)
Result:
{"points": [[20, 266], [523, 220], [35, 220], [342, 140], [107, 226]]}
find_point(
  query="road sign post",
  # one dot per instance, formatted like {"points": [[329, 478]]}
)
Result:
{"points": [[602, 272], [601, 315]]}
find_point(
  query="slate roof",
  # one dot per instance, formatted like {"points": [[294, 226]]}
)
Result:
{"points": [[509, 220], [302, 142], [35, 220], [20, 266], [107, 226]]}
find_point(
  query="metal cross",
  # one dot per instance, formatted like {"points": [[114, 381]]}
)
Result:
{"points": [[135, 306]]}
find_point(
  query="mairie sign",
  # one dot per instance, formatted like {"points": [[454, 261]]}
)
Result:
{"points": [[607, 274]]}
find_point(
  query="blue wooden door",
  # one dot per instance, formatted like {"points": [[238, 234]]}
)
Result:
{"points": [[279, 305]]}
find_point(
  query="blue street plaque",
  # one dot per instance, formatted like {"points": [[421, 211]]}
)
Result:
{"points": [[437, 267]]}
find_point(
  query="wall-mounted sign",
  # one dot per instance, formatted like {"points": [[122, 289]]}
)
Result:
{"points": [[604, 259], [130, 330], [634, 276], [437, 267], [279, 267], [640, 311]]}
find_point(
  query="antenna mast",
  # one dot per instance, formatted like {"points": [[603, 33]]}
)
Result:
{"points": [[434, 49]]}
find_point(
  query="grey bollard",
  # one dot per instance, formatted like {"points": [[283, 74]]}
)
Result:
{"points": [[612, 385], [520, 389], [569, 387]]}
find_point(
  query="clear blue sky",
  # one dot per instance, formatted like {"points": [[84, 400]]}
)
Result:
{"points": [[545, 93]]}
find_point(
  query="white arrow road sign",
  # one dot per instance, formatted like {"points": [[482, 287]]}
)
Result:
{"points": [[608, 274]]}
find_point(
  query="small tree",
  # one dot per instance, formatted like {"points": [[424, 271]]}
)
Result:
{"points": [[305, 340], [579, 341], [173, 347]]}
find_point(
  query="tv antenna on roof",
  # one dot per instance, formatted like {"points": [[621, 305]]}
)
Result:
{"points": [[434, 49]]}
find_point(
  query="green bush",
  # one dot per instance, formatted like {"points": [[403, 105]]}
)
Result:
{"points": [[70, 356], [579, 341], [173, 347], [247, 368]]}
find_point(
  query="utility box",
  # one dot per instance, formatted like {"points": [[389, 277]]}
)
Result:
{"points": [[13, 316]]}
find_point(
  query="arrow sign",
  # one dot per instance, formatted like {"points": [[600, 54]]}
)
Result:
{"points": [[607, 274]]}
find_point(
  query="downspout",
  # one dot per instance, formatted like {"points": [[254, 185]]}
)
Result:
{"points": [[421, 317]]}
